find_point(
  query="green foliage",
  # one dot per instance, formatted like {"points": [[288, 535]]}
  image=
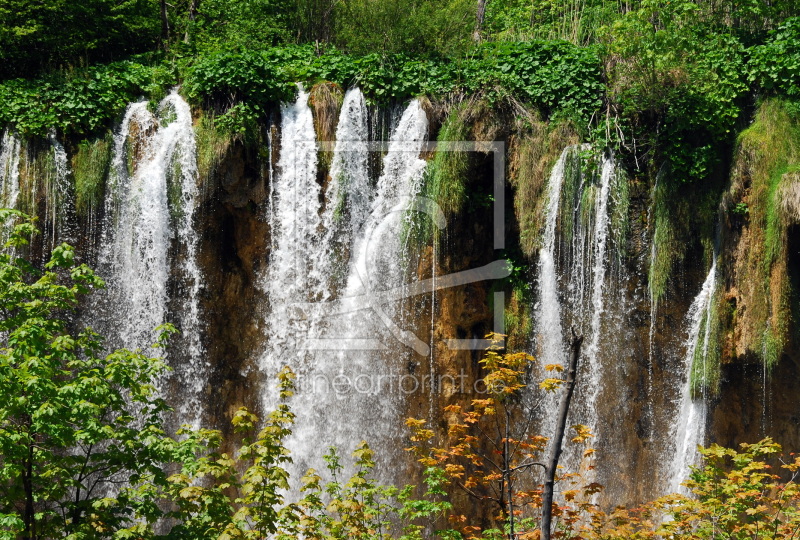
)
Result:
{"points": [[671, 66], [220, 496], [521, 20], [240, 25], [79, 102], [68, 427], [551, 75], [405, 26], [363, 509], [58, 33], [737, 496], [775, 65]]}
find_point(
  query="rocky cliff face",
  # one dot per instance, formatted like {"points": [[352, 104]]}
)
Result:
{"points": [[635, 375]]}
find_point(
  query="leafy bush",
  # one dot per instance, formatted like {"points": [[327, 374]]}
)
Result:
{"points": [[80, 102], [775, 65], [51, 33], [74, 422], [552, 75], [671, 70]]}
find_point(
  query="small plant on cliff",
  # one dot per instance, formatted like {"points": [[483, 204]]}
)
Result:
{"points": [[490, 451], [737, 495]]}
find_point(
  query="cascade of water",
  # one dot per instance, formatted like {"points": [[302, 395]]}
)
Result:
{"points": [[343, 389], [10, 148], [295, 227], [349, 187], [551, 348], [181, 155], [588, 283], [60, 196], [584, 204], [347, 197], [601, 236], [688, 431], [149, 162]]}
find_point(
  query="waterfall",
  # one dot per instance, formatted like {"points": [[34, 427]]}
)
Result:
{"points": [[600, 243], [295, 226], [60, 196], [150, 202], [551, 350], [688, 431], [181, 153], [10, 149], [348, 194], [347, 376], [573, 281], [349, 188]]}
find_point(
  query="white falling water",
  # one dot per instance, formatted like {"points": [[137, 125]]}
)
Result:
{"points": [[140, 225], [10, 149], [551, 349], [348, 194], [600, 243], [295, 226], [346, 392], [294, 229], [349, 185], [575, 294], [60, 196], [689, 429]]}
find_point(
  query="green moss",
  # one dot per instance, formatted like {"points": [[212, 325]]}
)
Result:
{"points": [[446, 177], [705, 372], [573, 179], [518, 320], [175, 191], [90, 166], [620, 224], [212, 143], [588, 198], [667, 249], [767, 155], [37, 171]]}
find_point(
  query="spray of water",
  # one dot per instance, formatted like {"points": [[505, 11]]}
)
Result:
{"points": [[688, 431], [9, 168], [150, 161]]}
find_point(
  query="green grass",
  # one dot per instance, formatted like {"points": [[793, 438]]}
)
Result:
{"points": [[90, 166]]}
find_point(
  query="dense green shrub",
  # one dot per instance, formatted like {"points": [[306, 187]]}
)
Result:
{"points": [[679, 83], [405, 26], [52, 33], [552, 75], [80, 102], [775, 65]]}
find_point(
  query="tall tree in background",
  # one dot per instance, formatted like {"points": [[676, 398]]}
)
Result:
{"points": [[55, 33], [480, 16]]}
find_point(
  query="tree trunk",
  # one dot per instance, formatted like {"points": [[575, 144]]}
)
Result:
{"points": [[558, 436], [194, 5], [164, 26], [29, 519], [480, 15]]}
